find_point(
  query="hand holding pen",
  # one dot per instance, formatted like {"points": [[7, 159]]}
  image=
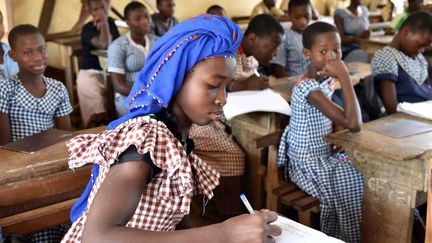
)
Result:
{"points": [[254, 227]]}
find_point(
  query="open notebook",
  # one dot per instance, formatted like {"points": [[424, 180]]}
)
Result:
{"points": [[39, 141], [250, 101], [420, 109], [293, 232]]}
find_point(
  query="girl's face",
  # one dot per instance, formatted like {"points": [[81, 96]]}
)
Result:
{"points": [[139, 21], [415, 43], [30, 52], [327, 46], [203, 94]]}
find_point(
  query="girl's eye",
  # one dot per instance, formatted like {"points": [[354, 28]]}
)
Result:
{"points": [[42, 50], [213, 86], [323, 51], [28, 53]]}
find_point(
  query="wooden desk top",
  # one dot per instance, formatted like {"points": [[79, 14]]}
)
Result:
{"points": [[17, 166], [404, 148]]}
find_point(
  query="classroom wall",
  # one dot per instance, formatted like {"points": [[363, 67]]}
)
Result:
{"points": [[66, 13]]}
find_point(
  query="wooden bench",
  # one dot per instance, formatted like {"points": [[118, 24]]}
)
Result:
{"points": [[37, 219], [280, 192]]}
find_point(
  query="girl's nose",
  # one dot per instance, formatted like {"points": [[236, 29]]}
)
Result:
{"points": [[221, 98]]}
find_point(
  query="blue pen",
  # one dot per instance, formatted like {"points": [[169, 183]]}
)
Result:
{"points": [[246, 203]]}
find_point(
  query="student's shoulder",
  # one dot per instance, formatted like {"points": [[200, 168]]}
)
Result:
{"points": [[5, 47], [8, 85], [341, 12], [121, 41], [54, 84], [385, 55], [152, 38]]}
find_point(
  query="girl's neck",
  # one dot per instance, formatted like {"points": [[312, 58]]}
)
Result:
{"points": [[138, 38], [353, 8], [312, 74], [163, 18], [245, 46], [183, 122], [30, 78]]}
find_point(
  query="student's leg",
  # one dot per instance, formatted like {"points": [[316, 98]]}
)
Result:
{"points": [[91, 94], [347, 185]]}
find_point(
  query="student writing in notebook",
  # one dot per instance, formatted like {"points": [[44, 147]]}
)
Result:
{"points": [[30, 102], [8, 67], [400, 70], [145, 172], [308, 159], [127, 54], [214, 143]]}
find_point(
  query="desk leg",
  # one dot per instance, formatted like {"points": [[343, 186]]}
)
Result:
{"points": [[387, 212]]}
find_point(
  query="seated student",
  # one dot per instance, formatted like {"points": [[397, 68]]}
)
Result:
{"points": [[398, 20], [96, 34], [308, 159], [400, 70], [127, 54], [216, 10], [164, 20], [259, 45], [284, 7], [290, 60], [213, 143], [268, 7], [8, 67], [30, 102], [145, 172], [353, 25]]}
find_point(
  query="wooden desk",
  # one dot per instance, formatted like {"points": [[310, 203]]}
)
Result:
{"points": [[396, 174], [29, 181]]}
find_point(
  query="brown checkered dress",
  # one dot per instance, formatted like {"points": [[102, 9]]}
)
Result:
{"points": [[168, 195], [218, 148]]}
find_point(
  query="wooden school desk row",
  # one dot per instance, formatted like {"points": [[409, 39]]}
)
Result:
{"points": [[37, 190]]}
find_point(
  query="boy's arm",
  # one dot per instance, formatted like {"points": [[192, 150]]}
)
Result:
{"points": [[123, 188], [5, 134], [388, 95], [63, 123], [279, 71], [252, 83]]}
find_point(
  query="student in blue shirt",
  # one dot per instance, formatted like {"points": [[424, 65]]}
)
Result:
{"points": [[8, 67]]}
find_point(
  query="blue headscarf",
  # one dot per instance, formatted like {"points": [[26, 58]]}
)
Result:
{"points": [[172, 57], [175, 54]]}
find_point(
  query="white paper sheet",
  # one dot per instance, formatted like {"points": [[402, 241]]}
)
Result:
{"points": [[293, 232], [250, 101], [420, 109]]}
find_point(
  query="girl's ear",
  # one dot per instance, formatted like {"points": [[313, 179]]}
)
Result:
{"points": [[251, 38], [306, 53], [12, 54]]}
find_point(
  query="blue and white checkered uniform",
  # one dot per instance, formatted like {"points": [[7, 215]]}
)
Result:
{"points": [[290, 54], [29, 115], [311, 165]]}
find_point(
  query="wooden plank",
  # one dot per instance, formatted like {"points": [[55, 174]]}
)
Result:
{"points": [[46, 16], [429, 208], [50, 189], [38, 219]]}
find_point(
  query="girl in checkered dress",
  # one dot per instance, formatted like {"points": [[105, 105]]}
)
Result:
{"points": [[400, 70], [30, 102], [309, 160], [145, 174]]}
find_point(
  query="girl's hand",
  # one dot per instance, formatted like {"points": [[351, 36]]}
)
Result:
{"points": [[334, 68], [251, 228]]}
